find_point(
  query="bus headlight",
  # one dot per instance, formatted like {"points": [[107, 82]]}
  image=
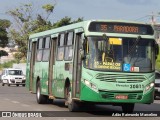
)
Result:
{"points": [[90, 85], [148, 87], [87, 82]]}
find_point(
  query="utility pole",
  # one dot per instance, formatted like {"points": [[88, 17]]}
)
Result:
{"points": [[153, 18], [156, 26]]}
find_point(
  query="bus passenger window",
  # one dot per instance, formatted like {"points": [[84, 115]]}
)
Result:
{"points": [[60, 51], [46, 51], [69, 46], [39, 49]]}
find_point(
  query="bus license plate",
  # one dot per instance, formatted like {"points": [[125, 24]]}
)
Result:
{"points": [[124, 97]]}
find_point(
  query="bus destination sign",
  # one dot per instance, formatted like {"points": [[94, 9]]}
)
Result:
{"points": [[125, 28]]}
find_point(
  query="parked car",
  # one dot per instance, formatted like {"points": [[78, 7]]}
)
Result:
{"points": [[11, 76], [157, 84]]}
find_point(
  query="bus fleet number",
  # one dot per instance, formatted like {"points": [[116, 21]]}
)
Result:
{"points": [[136, 86]]}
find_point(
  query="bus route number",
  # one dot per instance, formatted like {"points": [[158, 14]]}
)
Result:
{"points": [[136, 86]]}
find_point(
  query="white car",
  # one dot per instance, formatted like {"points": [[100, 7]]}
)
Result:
{"points": [[11, 76], [157, 84]]}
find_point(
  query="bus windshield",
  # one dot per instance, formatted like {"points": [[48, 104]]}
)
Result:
{"points": [[120, 54]]}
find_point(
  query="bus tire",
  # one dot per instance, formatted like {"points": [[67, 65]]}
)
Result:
{"points": [[41, 99], [72, 104], [128, 107]]}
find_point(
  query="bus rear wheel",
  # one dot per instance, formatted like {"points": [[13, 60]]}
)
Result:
{"points": [[41, 99], [128, 107]]}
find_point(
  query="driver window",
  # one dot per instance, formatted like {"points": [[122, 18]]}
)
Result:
{"points": [[86, 52]]}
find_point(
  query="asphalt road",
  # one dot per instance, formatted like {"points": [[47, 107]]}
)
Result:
{"points": [[19, 101]]}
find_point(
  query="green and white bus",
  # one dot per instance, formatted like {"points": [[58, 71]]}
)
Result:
{"points": [[94, 61]]}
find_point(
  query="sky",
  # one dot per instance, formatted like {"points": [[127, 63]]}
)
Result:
{"points": [[139, 10]]}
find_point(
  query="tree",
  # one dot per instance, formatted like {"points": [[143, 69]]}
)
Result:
{"points": [[66, 21], [49, 9], [4, 24], [3, 53], [28, 22]]}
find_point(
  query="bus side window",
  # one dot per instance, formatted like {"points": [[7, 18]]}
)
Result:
{"points": [[60, 49], [46, 51], [39, 49], [86, 53], [69, 46]]}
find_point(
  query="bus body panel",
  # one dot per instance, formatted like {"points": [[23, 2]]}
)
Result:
{"points": [[107, 91], [60, 75], [91, 96]]}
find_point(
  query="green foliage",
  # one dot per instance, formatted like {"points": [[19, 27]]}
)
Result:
{"points": [[66, 21], [3, 53], [27, 22], [18, 57], [7, 64], [48, 7], [4, 24]]}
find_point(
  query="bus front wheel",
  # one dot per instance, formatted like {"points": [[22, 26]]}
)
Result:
{"points": [[72, 104], [41, 99], [128, 107]]}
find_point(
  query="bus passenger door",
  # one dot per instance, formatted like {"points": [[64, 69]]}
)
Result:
{"points": [[77, 67], [51, 63], [32, 64]]}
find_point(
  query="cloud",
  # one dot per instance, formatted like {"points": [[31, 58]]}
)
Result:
{"points": [[136, 2]]}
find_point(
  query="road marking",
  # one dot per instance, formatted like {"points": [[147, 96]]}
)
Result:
{"points": [[25, 105], [15, 102]]}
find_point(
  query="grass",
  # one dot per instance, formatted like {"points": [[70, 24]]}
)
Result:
{"points": [[7, 64]]}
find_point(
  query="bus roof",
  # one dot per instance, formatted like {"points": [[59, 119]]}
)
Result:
{"points": [[83, 24]]}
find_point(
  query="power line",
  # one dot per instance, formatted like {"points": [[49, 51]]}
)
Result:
{"points": [[150, 18], [141, 17]]}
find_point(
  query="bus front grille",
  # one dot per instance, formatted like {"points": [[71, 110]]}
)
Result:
{"points": [[121, 78]]}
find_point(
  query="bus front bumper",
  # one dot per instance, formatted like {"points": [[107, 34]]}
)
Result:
{"points": [[88, 94]]}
